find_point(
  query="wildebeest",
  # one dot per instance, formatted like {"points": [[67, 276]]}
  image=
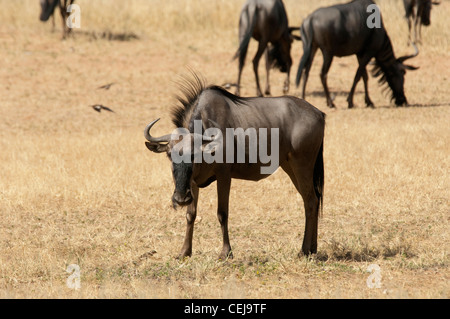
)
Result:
{"points": [[418, 12], [342, 30], [300, 128], [48, 9], [266, 21]]}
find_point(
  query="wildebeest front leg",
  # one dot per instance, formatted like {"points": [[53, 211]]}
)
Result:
{"points": [[409, 30], [361, 72], [63, 8], [191, 214], [416, 26], [63, 4], [368, 101], [223, 194]]}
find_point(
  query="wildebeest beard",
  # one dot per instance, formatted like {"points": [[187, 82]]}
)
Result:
{"points": [[277, 59]]}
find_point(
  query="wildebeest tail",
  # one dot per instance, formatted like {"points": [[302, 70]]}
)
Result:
{"points": [[318, 178], [243, 46], [306, 32]]}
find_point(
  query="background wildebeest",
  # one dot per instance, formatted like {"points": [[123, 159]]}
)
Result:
{"points": [[301, 132], [342, 30], [418, 12], [266, 21], [48, 9]]}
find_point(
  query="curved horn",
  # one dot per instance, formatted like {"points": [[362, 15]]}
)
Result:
{"points": [[148, 137], [406, 57]]}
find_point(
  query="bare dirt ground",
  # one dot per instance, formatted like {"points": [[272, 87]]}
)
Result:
{"points": [[79, 187]]}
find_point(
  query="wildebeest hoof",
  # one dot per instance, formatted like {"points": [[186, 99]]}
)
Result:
{"points": [[224, 256], [183, 255], [306, 253]]}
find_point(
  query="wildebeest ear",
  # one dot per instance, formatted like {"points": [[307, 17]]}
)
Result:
{"points": [[157, 148]]}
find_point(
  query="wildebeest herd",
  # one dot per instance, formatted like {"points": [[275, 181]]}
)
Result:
{"points": [[338, 30]]}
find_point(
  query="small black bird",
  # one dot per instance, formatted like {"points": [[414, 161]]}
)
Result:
{"points": [[106, 86], [99, 108]]}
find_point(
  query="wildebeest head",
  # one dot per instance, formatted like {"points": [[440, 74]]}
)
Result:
{"points": [[280, 52], [425, 17], [394, 75], [279, 57], [47, 9], [182, 143], [426, 11]]}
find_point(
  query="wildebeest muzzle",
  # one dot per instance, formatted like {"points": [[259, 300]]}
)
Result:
{"points": [[181, 199]]}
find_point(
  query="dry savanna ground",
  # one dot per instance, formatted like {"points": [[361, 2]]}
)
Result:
{"points": [[79, 187]]}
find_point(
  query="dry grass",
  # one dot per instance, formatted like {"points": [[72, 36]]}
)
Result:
{"points": [[79, 187]]}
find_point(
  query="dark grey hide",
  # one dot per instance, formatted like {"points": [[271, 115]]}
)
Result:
{"points": [[301, 132], [265, 21], [342, 30], [418, 12]]}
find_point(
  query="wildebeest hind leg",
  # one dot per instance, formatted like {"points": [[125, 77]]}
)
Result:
{"points": [[327, 59], [308, 68], [267, 91], [261, 48], [303, 181]]}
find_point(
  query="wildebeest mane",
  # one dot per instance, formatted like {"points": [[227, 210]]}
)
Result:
{"points": [[191, 88], [384, 63]]}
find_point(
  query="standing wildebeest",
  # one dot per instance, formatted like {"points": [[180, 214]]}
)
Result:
{"points": [[342, 30], [266, 21], [300, 129], [48, 9], [418, 11]]}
